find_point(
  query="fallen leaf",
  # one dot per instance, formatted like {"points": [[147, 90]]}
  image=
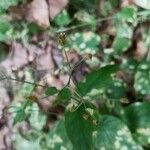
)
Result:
{"points": [[55, 6], [17, 57], [38, 12]]}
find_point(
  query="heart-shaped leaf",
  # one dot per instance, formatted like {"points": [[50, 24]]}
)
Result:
{"points": [[138, 120], [79, 128], [113, 134], [84, 42], [98, 79], [51, 91], [64, 94], [59, 132], [142, 81]]}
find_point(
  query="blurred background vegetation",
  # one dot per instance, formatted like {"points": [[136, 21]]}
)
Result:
{"points": [[112, 31]]}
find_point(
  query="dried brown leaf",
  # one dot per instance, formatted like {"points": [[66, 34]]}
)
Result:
{"points": [[55, 6], [38, 12]]}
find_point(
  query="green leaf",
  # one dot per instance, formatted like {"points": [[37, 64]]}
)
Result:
{"points": [[64, 94], [79, 130], [85, 17], [84, 42], [20, 116], [34, 28], [138, 120], [37, 119], [98, 79], [107, 7], [4, 27], [130, 65], [57, 137], [112, 134], [27, 89], [126, 19], [5, 4], [87, 5], [51, 91], [116, 90], [19, 110], [22, 143], [142, 78], [120, 45], [62, 19], [127, 14], [3, 37], [124, 31]]}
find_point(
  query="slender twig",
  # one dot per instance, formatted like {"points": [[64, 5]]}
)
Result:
{"points": [[73, 69], [24, 81], [70, 76], [70, 68], [140, 14], [83, 25], [71, 28], [66, 56], [76, 65]]}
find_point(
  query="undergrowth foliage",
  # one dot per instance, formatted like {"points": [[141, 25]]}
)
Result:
{"points": [[104, 111]]}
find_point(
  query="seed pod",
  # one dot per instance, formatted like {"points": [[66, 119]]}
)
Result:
{"points": [[88, 56], [72, 107], [85, 116], [90, 111], [62, 38], [32, 98], [95, 122]]}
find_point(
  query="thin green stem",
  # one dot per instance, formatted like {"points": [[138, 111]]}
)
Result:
{"points": [[140, 14], [73, 69], [14, 79], [83, 25], [78, 106], [66, 56]]}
